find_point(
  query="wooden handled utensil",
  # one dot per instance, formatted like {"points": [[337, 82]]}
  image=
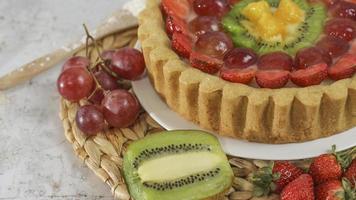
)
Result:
{"points": [[120, 21]]}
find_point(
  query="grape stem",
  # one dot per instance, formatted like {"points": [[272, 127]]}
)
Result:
{"points": [[100, 63], [96, 46], [88, 38]]}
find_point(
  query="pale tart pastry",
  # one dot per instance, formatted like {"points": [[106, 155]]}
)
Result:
{"points": [[276, 71]]}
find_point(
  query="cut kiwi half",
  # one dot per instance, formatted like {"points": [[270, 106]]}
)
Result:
{"points": [[177, 165], [304, 35]]}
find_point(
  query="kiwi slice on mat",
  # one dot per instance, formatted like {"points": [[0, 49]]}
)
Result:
{"points": [[177, 165], [304, 35]]}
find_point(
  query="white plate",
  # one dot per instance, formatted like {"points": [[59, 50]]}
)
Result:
{"points": [[170, 120]]}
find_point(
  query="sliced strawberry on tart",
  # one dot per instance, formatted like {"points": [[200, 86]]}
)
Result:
{"points": [[301, 51]]}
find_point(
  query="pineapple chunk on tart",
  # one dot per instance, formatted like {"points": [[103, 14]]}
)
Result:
{"points": [[272, 71]]}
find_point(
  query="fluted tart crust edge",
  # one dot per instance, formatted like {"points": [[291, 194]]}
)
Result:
{"points": [[239, 111]]}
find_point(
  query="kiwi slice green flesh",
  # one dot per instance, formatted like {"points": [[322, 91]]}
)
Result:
{"points": [[306, 34], [176, 165]]}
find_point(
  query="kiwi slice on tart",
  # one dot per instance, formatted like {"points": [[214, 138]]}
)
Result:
{"points": [[177, 165], [295, 34]]}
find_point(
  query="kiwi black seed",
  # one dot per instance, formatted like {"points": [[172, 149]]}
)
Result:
{"points": [[176, 165], [183, 181], [169, 149]]}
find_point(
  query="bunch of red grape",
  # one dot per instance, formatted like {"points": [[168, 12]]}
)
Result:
{"points": [[108, 104]]}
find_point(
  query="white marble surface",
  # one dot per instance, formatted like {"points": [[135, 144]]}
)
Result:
{"points": [[36, 162]]}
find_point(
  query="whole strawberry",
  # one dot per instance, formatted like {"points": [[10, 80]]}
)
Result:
{"points": [[331, 190], [301, 188], [335, 190], [325, 168], [275, 177], [350, 173], [288, 172]]}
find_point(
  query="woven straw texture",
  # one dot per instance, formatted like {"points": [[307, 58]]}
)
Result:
{"points": [[103, 153]]}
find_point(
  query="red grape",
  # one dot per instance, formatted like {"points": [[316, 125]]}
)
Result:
{"points": [[97, 97], [272, 79], [90, 120], [275, 60], [76, 61], [215, 44], [328, 3], [108, 54], [345, 9], [75, 84], [211, 7], [335, 47], [240, 58], [341, 28], [128, 63], [311, 56], [204, 24], [121, 108], [106, 81]]}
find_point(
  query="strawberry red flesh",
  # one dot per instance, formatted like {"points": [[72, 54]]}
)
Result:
{"points": [[313, 75], [205, 63], [325, 168], [244, 76], [301, 188], [179, 8], [175, 24], [343, 68], [274, 177], [288, 172], [331, 190], [182, 45], [272, 78]]}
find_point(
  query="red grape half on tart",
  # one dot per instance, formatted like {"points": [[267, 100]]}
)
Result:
{"points": [[270, 71]]}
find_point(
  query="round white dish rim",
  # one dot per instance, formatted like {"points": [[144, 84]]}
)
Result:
{"points": [[170, 120]]}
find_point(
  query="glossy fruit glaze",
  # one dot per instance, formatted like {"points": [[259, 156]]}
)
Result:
{"points": [[197, 36]]}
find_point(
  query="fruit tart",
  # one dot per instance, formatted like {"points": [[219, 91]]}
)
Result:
{"points": [[269, 71]]}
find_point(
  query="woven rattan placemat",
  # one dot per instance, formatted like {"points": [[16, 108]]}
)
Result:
{"points": [[103, 153]]}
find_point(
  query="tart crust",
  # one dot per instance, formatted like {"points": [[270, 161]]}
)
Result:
{"points": [[239, 111]]}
